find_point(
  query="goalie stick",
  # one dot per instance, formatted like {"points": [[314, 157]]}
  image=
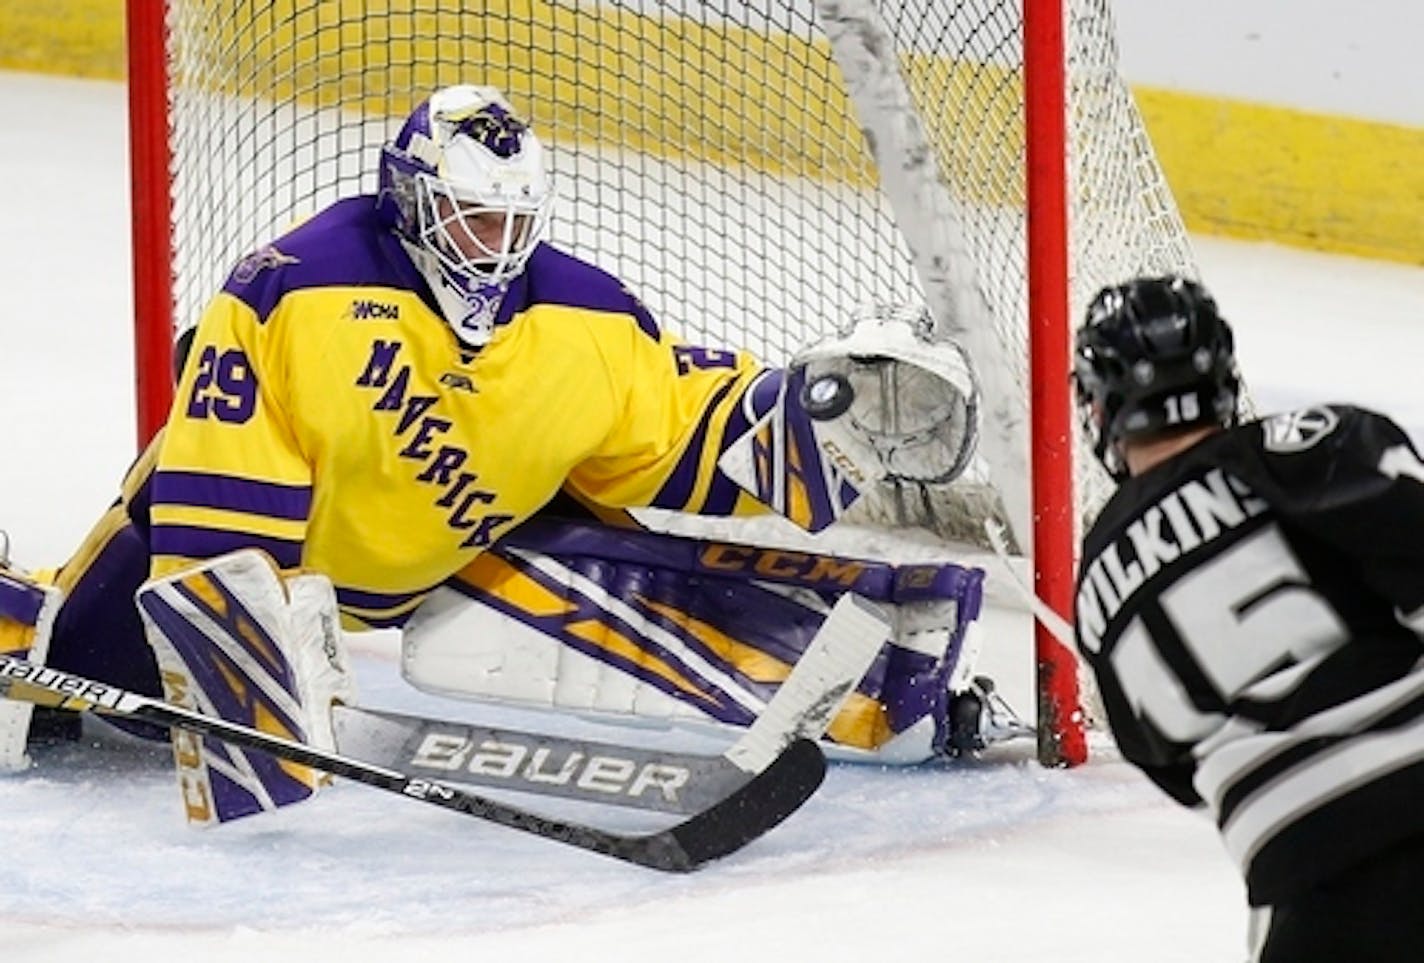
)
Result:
{"points": [[787, 767], [1094, 712], [1059, 627], [725, 827], [650, 779], [656, 780]]}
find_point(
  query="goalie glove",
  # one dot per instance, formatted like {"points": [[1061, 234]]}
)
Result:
{"points": [[238, 640], [892, 401], [881, 402]]}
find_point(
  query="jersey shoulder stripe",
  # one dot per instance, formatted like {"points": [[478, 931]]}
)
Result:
{"points": [[345, 245], [555, 277]]}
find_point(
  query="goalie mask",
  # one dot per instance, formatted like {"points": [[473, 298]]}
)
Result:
{"points": [[1152, 356], [464, 184]]}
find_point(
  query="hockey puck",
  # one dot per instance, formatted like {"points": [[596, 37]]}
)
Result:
{"points": [[827, 397]]}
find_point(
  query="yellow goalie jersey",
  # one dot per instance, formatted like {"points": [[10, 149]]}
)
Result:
{"points": [[328, 415]]}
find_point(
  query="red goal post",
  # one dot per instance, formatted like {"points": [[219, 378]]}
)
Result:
{"points": [[1049, 321], [151, 215], [753, 170]]}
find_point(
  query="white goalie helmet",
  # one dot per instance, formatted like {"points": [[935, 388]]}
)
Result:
{"points": [[465, 180]]}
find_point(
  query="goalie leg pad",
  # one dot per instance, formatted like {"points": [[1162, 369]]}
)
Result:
{"points": [[636, 626], [27, 612], [235, 639]]}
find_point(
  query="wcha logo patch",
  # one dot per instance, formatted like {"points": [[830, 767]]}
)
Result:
{"points": [[364, 309]]}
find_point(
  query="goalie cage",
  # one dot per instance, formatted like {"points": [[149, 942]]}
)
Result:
{"points": [[715, 157]]}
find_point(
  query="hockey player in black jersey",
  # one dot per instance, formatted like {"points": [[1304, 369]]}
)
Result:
{"points": [[1251, 602]]}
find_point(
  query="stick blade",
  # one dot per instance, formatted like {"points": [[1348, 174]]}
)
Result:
{"points": [[748, 813]]}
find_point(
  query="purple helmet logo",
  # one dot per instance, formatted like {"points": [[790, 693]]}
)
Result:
{"points": [[496, 128]]}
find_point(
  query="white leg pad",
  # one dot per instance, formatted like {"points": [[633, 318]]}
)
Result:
{"points": [[27, 614], [237, 640]]}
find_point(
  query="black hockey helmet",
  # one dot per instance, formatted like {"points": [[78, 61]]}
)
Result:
{"points": [[1153, 355]]}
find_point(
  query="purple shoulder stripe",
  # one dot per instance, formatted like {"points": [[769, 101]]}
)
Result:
{"points": [[344, 244], [555, 277]]}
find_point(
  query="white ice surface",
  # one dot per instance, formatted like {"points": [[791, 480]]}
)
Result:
{"points": [[999, 861]]}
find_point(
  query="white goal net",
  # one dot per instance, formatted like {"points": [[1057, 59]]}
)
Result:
{"points": [[705, 151]]}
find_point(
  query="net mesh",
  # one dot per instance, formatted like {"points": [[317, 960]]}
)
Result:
{"points": [[705, 152]]}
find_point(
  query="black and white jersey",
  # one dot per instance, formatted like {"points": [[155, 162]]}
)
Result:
{"points": [[1250, 609]]}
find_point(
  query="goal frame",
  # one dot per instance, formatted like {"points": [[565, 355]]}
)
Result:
{"points": [[151, 207], [1062, 739], [1061, 729]]}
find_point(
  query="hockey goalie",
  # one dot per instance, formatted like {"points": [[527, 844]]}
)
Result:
{"points": [[412, 411]]}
